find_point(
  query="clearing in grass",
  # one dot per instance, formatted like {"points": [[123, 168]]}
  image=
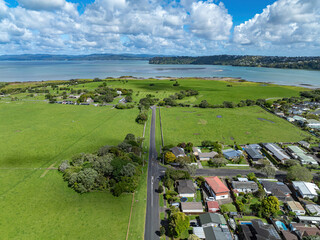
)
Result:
{"points": [[241, 125]]}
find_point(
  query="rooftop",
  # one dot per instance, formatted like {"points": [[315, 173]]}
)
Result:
{"points": [[306, 188], [270, 186], [216, 184], [185, 186], [295, 206], [276, 151], [215, 218], [192, 206]]}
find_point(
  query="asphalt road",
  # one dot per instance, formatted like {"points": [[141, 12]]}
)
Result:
{"points": [[152, 226]]}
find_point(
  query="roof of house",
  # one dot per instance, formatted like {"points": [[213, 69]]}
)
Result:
{"points": [[191, 206], [305, 159], [288, 235], [253, 153], [295, 206], [199, 232], [185, 186], [306, 230], [259, 230], [196, 150], [208, 154], [306, 188], [275, 187], [309, 218], [177, 151], [231, 153], [254, 146], [295, 149], [213, 204], [214, 233], [244, 185], [313, 208], [212, 218], [304, 143], [216, 184], [276, 151]]}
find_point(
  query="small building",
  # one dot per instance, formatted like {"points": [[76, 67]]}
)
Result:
{"points": [[299, 119], [309, 219], [244, 186], [313, 209], [178, 152], [304, 144], [306, 189], [259, 230], [232, 154], [296, 207], [312, 123], [304, 230], [119, 92], [191, 207], [196, 151], [207, 156], [216, 188], [277, 189], [213, 206], [253, 153], [276, 151], [186, 188]]}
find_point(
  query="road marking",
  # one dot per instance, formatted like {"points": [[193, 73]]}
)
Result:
{"points": [[152, 191]]}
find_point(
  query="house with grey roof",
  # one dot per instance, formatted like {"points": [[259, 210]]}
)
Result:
{"points": [[253, 153], [186, 188], [178, 152], [313, 209], [244, 186], [259, 230], [215, 226], [277, 152], [306, 189], [206, 156], [232, 154], [277, 189], [191, 207]]}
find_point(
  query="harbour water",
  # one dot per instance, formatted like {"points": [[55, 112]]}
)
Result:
{"points": [[12, 71]]}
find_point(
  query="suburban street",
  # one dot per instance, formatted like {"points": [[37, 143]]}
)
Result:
{"points": [[152, 225]]}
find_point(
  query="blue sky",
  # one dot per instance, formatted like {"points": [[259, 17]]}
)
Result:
{"points": [[173, 27]]}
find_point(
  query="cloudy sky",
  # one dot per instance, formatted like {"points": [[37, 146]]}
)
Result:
{"points": [[172, 27]]}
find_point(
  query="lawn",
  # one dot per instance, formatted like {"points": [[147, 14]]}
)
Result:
{"points": [[231, 207], [36, 135], [249, 218], [243, 125], [215, 92]]}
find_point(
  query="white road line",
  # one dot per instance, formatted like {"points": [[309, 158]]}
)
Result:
{"points": [[152, 191]]}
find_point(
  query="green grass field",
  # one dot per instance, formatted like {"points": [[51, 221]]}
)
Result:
{"points": [[243, 125], [37, 135], [215, 92]]}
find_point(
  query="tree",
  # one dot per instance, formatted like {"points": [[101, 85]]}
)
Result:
{"points": [[85, 180], [252, 177], [162, 230], [160, 189], [128, 170], [260, 194], [269, 171], [193, 237], [169, 157], [299, 173], [291, 163], [311, 238], [224, 209], [64, 166], [204, 104], [103, 164], [183, 161], [217, 162], [178, 223], [270, 205], [191, 169]]}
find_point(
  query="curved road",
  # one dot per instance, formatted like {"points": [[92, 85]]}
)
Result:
{"points": [[152, 225]]}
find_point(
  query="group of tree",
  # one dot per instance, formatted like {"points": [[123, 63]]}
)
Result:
{"points": [[114, 168], [228, 104], [312, 63], [172, 99]]}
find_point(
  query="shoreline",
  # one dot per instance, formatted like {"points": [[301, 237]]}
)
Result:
{"points": [[225, 79]]}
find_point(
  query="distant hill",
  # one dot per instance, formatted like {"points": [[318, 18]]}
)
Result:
{"points": [[310, 63], [92, 57]]}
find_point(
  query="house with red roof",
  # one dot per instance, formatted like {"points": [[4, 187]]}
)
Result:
{"points": [[213, 206], [216, 188]]}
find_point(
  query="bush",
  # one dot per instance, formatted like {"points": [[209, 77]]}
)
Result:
{"points": [[142, 118]]}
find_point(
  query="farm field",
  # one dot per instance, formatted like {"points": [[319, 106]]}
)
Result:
{"points": [[37, 204], [243, 125], [215, 92]]}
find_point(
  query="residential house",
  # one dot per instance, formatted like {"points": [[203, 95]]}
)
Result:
{"points": [[119, 92], [186, 188], [276, 151], [312, 123], [303, 230], [314, 209], [90, 100], [191, 207], [309, 219], [244, 186], [277, 189], [215, 226], [300, 154], [232, 154], [207, 156], [213, 206], [178, 152], [259, 230], [196, 151], [306, 189], [304, 144], [198, 231], [254, 152], [296, 207], [216, 188]]}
